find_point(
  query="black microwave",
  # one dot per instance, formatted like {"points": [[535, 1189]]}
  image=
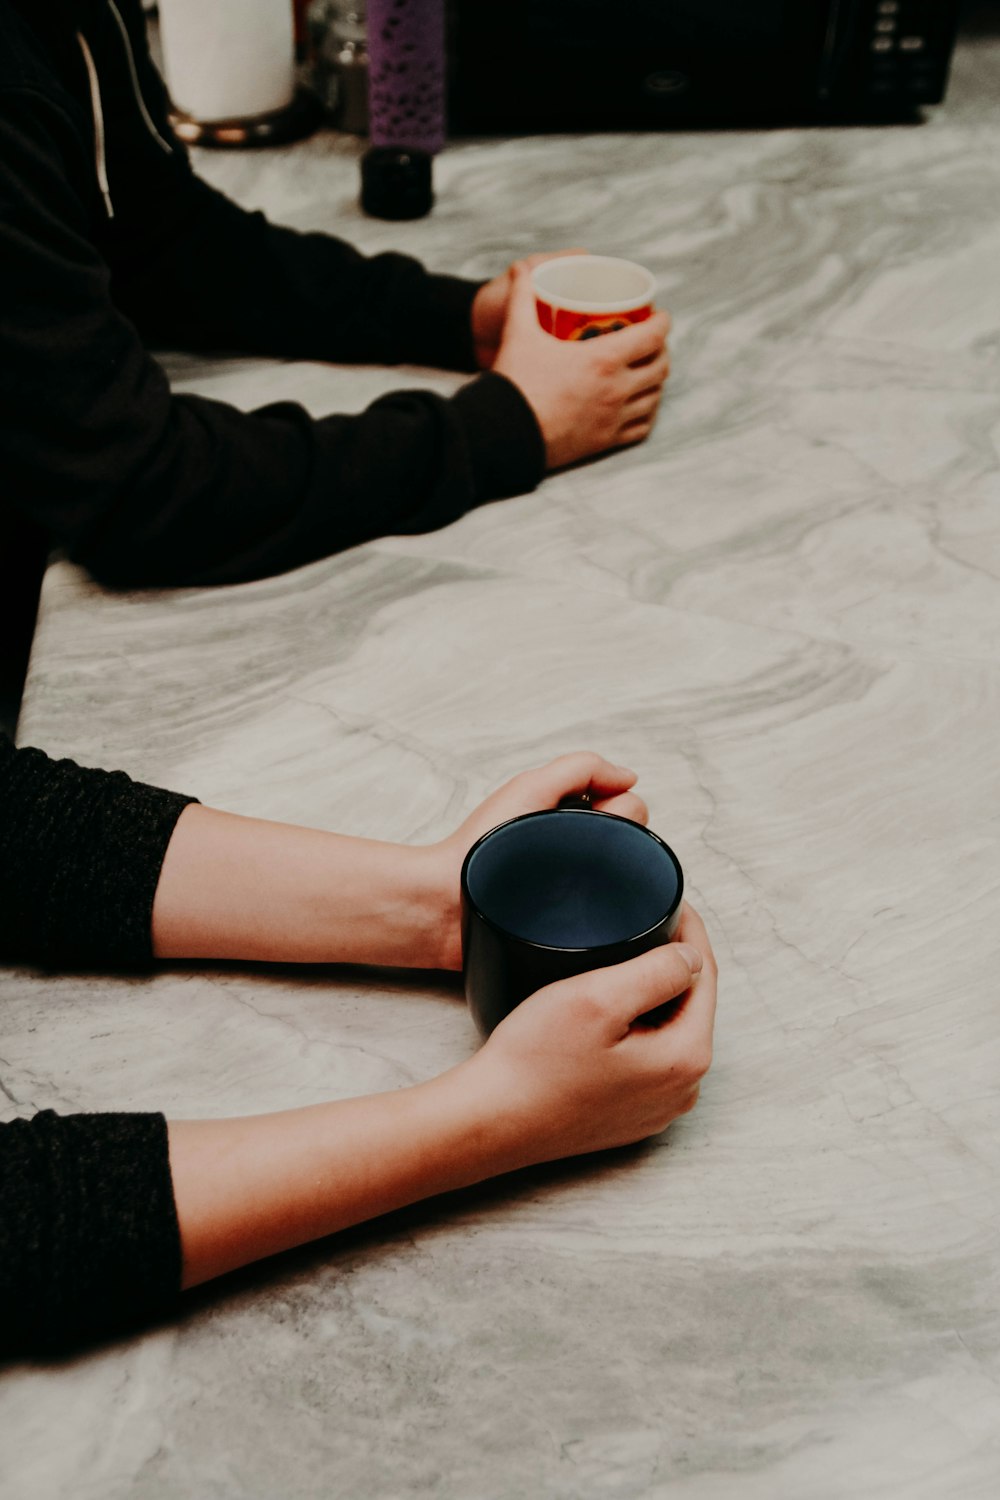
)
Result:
{"points": [[542, 65]]}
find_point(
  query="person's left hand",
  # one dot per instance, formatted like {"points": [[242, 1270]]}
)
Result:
{"points": [[608, 786], [489, 307]]}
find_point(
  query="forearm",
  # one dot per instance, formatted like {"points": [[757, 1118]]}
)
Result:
{"points": [[248, 1188], [209, 274], [192, 267], [92, 1204], [202, 493], [235, 887], [145, 488]]}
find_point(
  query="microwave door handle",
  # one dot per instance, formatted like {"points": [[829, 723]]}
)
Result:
{"points": [[840, 27]]}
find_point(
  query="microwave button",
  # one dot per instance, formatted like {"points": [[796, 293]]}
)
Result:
{"points": [[887, 24], [912, 43], [882, 44], [888, 7]]}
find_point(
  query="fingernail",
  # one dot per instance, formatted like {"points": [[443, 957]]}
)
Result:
{"points": [[691, 955]]}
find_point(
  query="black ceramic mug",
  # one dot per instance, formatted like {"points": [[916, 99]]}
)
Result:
{"points": [[555, 893]]}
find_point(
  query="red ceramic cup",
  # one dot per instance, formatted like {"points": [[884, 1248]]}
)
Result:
{"points": [[583, 296]]}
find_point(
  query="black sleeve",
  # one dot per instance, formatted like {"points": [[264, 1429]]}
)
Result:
{"points": [[80, 858], [146, 488], [193, 270], [89, 1241]]}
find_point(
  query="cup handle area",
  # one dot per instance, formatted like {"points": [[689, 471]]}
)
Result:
{"points": [[582, 801]]}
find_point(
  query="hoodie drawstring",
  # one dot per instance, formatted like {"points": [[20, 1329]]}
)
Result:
{"points": [[135, 80], [100, 158], [100, 153]]}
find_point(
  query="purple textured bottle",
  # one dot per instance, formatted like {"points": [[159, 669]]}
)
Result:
{"points": [[406, 93]]}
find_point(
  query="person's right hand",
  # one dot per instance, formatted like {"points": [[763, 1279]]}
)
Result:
{"points": [[570, 1071], [588, 395]]}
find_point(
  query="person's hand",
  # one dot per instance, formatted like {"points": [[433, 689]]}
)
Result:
{"points": [[491, 302], [609, 788], [587, 395], [573, 1068]]}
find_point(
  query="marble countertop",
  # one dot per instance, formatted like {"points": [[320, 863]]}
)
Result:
{"points": [[784, 612]]}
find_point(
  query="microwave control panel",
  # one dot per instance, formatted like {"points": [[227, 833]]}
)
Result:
{"points": [[908, 49]]}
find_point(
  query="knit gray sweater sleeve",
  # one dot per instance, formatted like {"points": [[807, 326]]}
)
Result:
{"points": [[89, 1240]]}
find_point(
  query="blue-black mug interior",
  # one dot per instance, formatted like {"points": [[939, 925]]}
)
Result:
{"points": [[555, 893]]}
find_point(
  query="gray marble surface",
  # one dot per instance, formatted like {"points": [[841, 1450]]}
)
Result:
{"points": [[784, 612]]}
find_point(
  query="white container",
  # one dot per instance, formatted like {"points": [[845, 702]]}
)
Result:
{"points": [[228, 59]]}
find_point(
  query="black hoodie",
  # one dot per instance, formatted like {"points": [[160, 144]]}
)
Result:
{"points": [[108, 241]]}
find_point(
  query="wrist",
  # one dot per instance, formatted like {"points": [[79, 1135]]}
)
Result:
{"points": [[485, 336], [400, 894], [440, 324], [433, 905], [488, 1136]]}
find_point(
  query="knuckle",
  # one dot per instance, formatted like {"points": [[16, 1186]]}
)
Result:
{"points": [[697, 1062], [587, 1007], [665, 959], [637, 809], [688, 1103], [674, 971], [571, 760], [665, 964]]}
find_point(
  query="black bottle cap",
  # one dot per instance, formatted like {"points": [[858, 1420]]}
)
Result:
{"points": [[396, 183]]}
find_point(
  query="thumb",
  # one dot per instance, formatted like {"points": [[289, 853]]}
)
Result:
{"points": [[521, 312], [631, 989]]}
